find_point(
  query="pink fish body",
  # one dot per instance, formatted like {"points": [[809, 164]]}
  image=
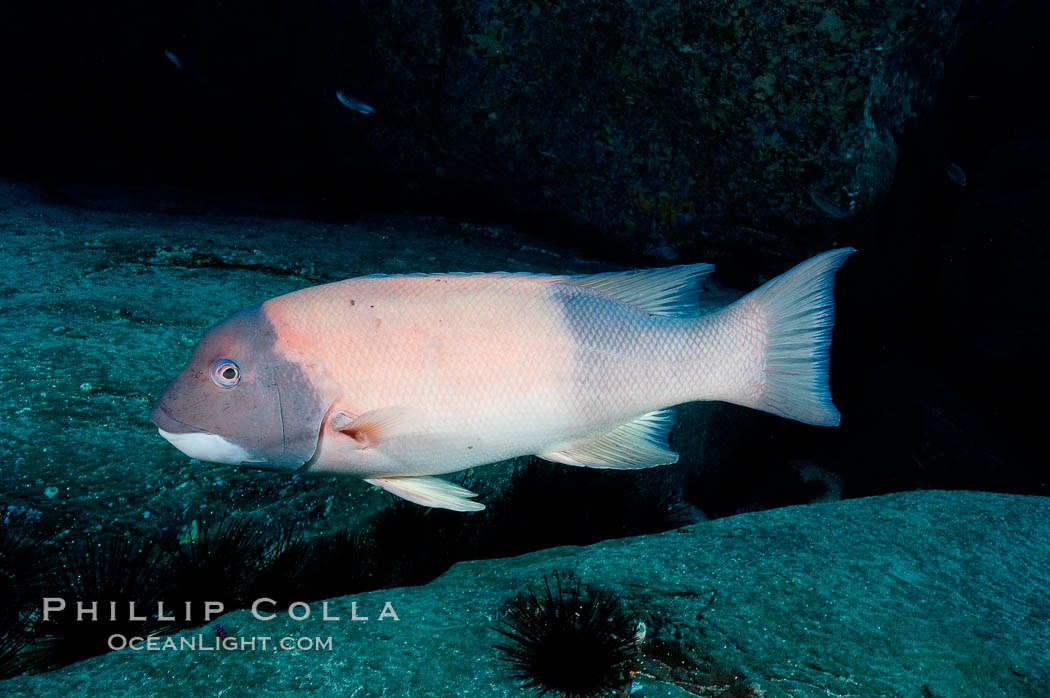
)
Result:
{"points": [[396, 379]]}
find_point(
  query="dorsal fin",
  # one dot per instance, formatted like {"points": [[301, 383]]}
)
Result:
{"points": [[640, 443], [671, 291]]}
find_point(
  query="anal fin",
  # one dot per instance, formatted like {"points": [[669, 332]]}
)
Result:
{"points": [[429, 491], [640, 443]]}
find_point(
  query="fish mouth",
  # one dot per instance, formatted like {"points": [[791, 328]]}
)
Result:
{"points": [[207, 447], [204, 445], [197, 443], [166, 423]]}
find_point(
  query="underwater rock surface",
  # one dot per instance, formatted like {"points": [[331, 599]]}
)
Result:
{"points": [[922, 593]]}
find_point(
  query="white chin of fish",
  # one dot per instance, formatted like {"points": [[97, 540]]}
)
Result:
{"points": [[207, 447]]}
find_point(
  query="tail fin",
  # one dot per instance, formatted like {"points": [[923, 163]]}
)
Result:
{"points": [[796, 311]]}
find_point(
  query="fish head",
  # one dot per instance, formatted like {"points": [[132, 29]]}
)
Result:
{"points": [[245, 399]]}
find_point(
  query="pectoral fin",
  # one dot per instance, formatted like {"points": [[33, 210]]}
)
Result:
{"points": [[641, 443], [429, 491], [375, 426]]}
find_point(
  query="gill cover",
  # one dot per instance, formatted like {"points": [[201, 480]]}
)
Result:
{"points": [[266, 403]]}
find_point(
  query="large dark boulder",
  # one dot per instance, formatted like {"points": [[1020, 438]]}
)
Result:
{"points": [[657, 123], [680, 129]]}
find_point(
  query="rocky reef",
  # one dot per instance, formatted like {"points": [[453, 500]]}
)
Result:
{"points": [[922, 593]]}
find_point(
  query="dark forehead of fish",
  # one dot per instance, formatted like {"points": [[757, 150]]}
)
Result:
{"points": [[249, 329]]}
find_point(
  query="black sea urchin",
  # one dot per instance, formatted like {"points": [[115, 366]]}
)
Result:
{"points": [[102, 576], [26, 562], [574, 640], [215, 561]]}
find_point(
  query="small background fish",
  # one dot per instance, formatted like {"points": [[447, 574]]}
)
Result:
{"points": [[354, 103]]}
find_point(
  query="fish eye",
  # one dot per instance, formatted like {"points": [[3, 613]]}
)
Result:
{"points": [[226, 373]]}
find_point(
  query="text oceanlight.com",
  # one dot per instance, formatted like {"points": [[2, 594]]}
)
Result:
{"points": [[214, 643]]}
